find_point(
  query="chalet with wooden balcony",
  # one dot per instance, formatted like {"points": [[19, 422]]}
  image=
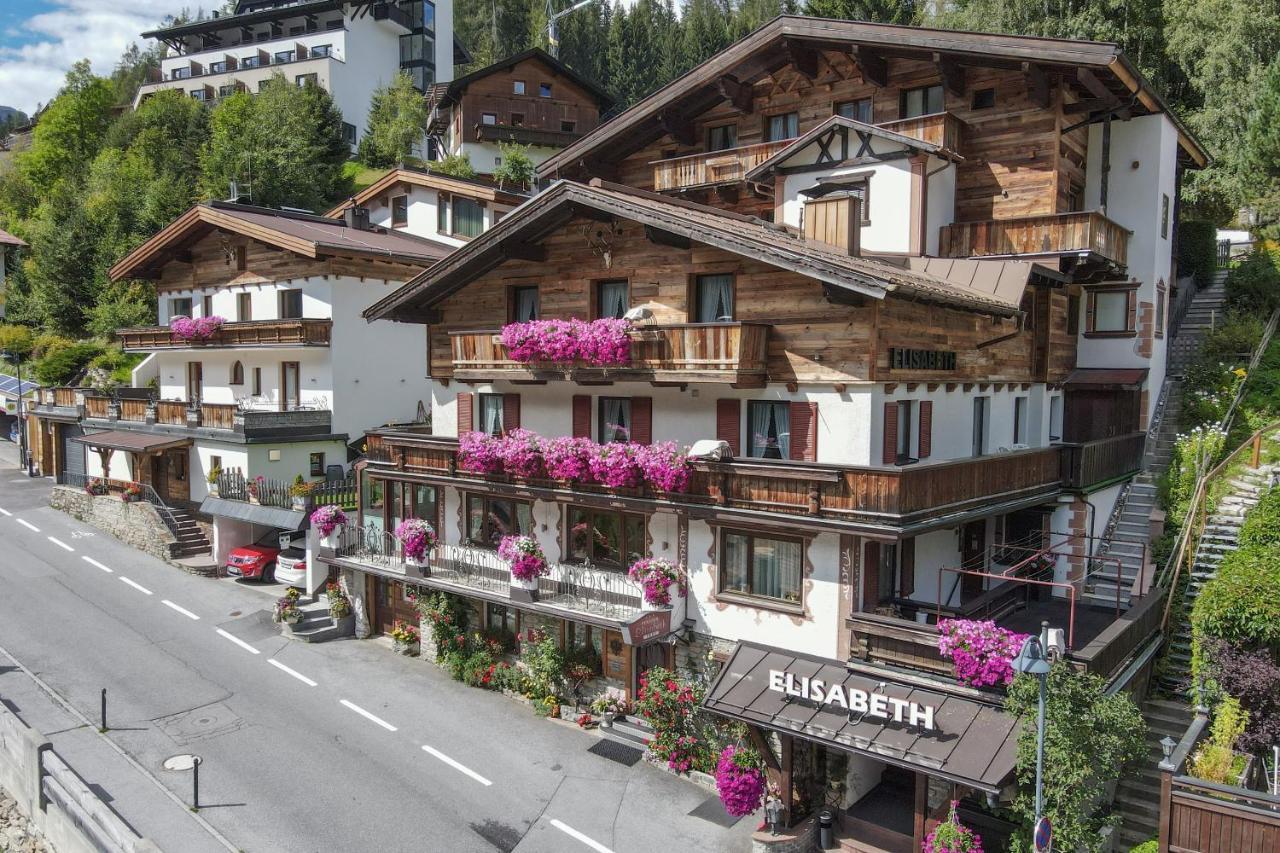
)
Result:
{"points": [[530, 98]]}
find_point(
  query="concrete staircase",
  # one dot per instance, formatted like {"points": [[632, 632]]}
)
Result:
{"points": [[631, 730], [317, 626], [1204, 313], [1138, 798], [192, 540]]}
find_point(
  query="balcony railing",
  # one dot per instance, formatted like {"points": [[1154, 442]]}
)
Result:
{"points": [[942, 129], [231, 417], [1058, 233], [233, 485], [714, 167], [689, 352], [1094, 462], [251, 333]]}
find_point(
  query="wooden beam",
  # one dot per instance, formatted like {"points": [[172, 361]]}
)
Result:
{"points": [[736, 93], [592, 213], [410, 314], [952, 73], [1037, 84], [802, 58], [680, 128], [522, 251], [872, 65], [1088, 105], [666, 238], [1096, 87]]}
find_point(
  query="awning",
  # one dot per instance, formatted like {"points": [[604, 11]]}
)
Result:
{"points": [[268, 516], [134, 442], [1121, 378], [933, 731]]}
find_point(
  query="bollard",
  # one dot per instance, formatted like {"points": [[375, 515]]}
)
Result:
{"points": [[826, 830], [103, 729], [195, 783]]}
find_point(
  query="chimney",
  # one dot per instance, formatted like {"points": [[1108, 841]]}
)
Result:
{"points": [[836, 221], [357, 217]]}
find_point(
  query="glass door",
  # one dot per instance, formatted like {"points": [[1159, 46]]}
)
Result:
{"points": [[195, 381], [290, 386]]}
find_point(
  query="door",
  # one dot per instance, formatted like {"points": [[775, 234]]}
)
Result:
{"points": [[290, 386], [973, 547], [647, 657], [170, 476], [195, 381], [72, 451], [391, 605]]}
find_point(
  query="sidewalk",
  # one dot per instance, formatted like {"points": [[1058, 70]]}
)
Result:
{"points": [[8, 454]]}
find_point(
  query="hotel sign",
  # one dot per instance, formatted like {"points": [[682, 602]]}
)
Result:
{"points": [[856, 702]]}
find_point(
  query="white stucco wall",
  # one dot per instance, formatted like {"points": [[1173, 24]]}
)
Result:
{"points": [[423, 218]]}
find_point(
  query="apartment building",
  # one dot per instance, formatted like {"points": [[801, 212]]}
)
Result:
{"points": [[903, 291], [348, 48]]}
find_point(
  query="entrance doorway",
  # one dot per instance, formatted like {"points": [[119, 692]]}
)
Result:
{"points": [[973, 548], [195, 381], [391, 604], [884, 818], [170, 475], [647, 657], [290, 386]]}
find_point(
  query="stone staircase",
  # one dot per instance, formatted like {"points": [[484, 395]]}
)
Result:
{"points": [[317, 626], [192, 540], [1204, 313], [630, 730], [1138, 797]]}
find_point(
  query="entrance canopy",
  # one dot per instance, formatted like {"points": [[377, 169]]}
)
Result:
{"points": [[1115, 378], [133, 442], [933, 731]]}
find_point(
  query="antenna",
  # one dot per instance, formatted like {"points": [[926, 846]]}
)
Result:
{"points": [[553, 19]]}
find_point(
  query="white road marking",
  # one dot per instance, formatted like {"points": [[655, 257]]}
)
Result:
{"points": [[239, 642], [5, 512], [573, 833], [184, 611], [94, 562], [28, 525], [456, 766], [63, 545], [362, 712], [139, 587], [293, 672]]}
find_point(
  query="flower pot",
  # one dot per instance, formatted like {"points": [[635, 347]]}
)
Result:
{"points": [[331, 541], [291, 619], [421, 566], [253, 498], [213, 489], [606, 720], [298, 502], [408, 649], [672, 592], [522, 590]]}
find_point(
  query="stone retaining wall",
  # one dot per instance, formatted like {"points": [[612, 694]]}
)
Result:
{"points": [[136, 524]]}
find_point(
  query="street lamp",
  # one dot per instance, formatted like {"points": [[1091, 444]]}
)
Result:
{"points": [[16, 358], [1032, 660]]}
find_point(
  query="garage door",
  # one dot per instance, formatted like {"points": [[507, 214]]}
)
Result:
{"points": [[72, 451]]}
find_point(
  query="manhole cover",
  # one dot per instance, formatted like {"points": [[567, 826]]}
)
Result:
{"points": [[209, 721], [180, 762]]}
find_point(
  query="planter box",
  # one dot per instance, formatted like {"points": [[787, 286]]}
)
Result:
{"points": [[421, 568], [526, 591], [332, 540], [408, 649]]}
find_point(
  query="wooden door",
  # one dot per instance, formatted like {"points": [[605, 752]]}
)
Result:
{"points": [[647, 657], [391, 605], [195, 381], [616, 658], [973, 546], [171, 475], [290, 386]]}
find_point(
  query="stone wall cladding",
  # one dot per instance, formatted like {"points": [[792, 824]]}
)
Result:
{"points": [[135, 524], [700, 651], [801, 838]]}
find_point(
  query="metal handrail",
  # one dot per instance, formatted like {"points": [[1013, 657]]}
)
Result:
{"points": [[149, 494]]}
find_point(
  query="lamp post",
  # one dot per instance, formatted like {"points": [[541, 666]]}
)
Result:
{"points": [[1033, 661], [16, 358]]}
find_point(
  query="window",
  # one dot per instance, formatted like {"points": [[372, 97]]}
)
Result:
{"points": [[713, 298], [306, 79], [760, 566], [602, 536], [921, 102], [468, 218], [442, 213], [722, 137], [501, 619], [984, 99], [181, 73], [1075, 198], [488, 118], [1055, 418], [614, 419], [491, 414], [517, 119], [218, 67], [290, 304], [252, 61], [215, 463], [227, 90], [859, 110], [489, 519], [903, 450], [241, 258], [568, 126], [283, 56], [321, 50], [373, 501], [1160, 300], [244, 307], [1073, 314], [524, 304], [612, 298], [317, 464], [399, 211], [1109, 312], [257, 381], [981, 424], [517, 87], [198, 95], [1020, 420], [349, 133], [206, 305], [544, 90], [769, 429], [1164, 217], [779, 127], [237, 373], [180, 307], [263, 84]]}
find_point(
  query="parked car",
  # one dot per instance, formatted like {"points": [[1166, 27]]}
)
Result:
{"points": [[258, 560], [291, 564]]}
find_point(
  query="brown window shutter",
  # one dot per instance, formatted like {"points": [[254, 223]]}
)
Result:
{"points": [[870, 575], [890, 454], [466, 421], [642, 420], [926, 428], [581, 416], [729, 423], [804, 432], [510, 412], [1090, 311], [907, 568], [1132, 324]]}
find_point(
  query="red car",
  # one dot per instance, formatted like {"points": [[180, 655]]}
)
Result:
{"points": [[258, 561]]}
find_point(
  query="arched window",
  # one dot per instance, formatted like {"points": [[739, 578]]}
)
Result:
{"points": [[237, 374]]}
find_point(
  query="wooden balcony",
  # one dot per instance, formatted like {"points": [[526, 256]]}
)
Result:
{"points": [[942, 129], [1095, 462], [251, 333], [1087, 232], [714, 167], [733, 353], [184, 414]]}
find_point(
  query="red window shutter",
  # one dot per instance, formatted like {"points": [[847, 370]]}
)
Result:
{"points": [[926, 428], [890, 454], [804, 432], [642, 420], [465, 419], [581, 416], [907, 568], [1090, 311], [870, 575], [510, 412], [729, 423]]}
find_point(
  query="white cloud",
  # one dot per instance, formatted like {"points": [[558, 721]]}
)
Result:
{"points": [[97, 30]]}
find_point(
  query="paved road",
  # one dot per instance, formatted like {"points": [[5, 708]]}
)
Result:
{"points": [[339, 746]]}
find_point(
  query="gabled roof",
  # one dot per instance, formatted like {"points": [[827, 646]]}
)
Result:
{"points": [[772, 46], [842, 126], [301, 233], [447, 93], [426, 178], [7, 239], [742, 235]]}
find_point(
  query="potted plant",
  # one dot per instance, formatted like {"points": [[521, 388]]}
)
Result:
{"points": [[982, 651], [254, 487], [418, 539], [132, 493], [610, 708], [528, 563], [298, 493], [328, 521], [287, 610], [339, 606], [660, 581], [406, 638], [951, 836], [740, 780], [212, 478]]}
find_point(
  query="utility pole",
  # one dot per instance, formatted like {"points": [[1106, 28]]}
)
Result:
{"points": [[553, 19]]}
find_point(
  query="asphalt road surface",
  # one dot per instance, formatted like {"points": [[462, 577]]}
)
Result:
{"points": [[341, 746]]}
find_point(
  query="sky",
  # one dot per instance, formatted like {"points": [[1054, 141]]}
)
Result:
{"points": [[41, 39]]}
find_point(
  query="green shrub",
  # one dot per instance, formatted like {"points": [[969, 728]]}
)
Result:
{"points": [[1193, 452], [1151, 845], [16, 339], [61, 363], [47, 341], [1216, 759], [455, 166], [1198, 250], [1253, 287], [1241, 604], [1262, 525], [1234, 337]]}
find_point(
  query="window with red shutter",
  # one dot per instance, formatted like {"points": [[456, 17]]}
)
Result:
{"points": [[889, 456], [465, 417], [510, 412], [581, 416], [804, 432], [729, 424], [926, 428], [642, 420]]}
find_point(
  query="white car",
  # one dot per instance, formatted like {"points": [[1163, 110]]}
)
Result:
{"points": [[291, 565]]}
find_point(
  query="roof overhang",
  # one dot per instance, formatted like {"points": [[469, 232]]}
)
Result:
{"points": [[133, 442], [1107, 378], [268, 516], [849, 131]]}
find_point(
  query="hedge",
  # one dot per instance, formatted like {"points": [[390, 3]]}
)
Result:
{"points": [[1253, 287], [1262, 525], [1198, 250], [1241, 604]]}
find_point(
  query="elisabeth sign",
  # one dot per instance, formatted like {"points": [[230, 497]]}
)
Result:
{"points": [[853, 700]]}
